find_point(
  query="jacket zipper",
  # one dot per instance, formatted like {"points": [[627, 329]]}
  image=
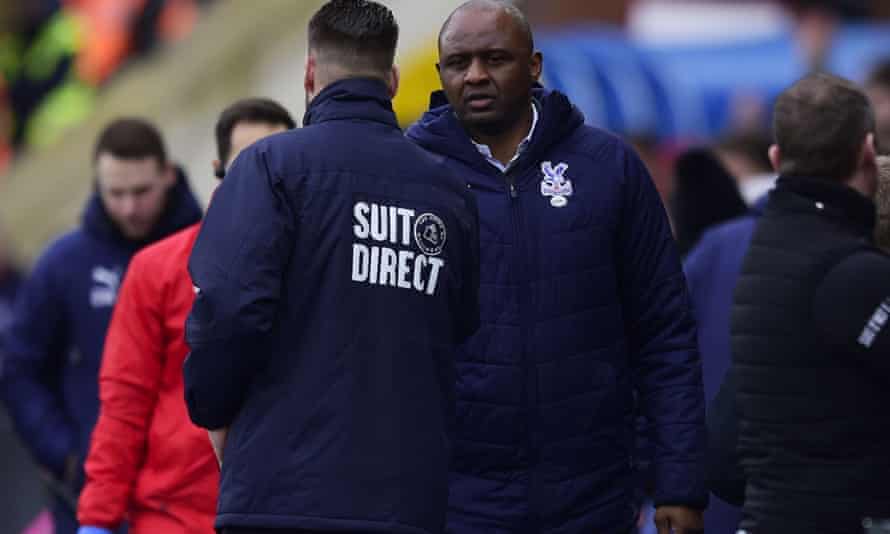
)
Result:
{"points": [[529, 393]]}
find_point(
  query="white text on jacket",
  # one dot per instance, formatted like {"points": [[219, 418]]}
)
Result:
{"points": [[375, 262]]}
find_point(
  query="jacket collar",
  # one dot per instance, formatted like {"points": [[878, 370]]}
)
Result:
{"points": [[181, 210], [351, 99], [829, 199], [441, 132]]}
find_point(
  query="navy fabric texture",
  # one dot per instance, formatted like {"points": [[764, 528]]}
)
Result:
{"points": [[337, 270]]}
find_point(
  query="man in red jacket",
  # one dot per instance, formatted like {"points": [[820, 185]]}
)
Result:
{"points": [[148, 464]]}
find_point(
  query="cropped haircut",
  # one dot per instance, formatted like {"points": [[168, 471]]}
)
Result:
{"points": [[819, 124], [252, 110], [131, 138], [358, 35]]}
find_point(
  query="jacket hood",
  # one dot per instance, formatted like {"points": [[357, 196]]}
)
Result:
{"points": [[181, 210], [439, 130]]}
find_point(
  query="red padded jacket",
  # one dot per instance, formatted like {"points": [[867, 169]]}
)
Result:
{"points": [[148, 463]]}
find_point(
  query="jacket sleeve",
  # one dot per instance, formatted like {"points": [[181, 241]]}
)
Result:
{"points": [[31, 357], [852, 311], [236, 267], [699, 263], [129, 383], [661, 337], [726, 479]]}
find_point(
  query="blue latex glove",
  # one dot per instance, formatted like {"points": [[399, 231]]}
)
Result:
{"points": [[93, 530]]}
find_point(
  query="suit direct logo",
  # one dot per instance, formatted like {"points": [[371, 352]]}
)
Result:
{"points": [[430, 234], [105, 284], [382, 254]]}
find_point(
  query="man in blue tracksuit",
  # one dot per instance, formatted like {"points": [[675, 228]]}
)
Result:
{"points": [[336, 271], [52, 351], [712, 271], [583, 303], [19, 502]]}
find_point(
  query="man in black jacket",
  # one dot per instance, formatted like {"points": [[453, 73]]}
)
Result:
{"points": [[811, 352]]}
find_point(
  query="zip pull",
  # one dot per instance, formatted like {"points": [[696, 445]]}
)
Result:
{"points": [[512, 186]]}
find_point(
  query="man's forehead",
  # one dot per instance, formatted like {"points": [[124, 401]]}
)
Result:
{"points": [[475, 28]]}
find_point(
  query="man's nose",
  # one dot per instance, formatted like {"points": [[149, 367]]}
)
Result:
{"points": [[476, 73], [128, 205]]}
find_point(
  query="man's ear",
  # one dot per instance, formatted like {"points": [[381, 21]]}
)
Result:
{"points": [[869, 153], [218, 170], [537, 66], [169, 174], [394, 78], [309, 75], [775, 157]]}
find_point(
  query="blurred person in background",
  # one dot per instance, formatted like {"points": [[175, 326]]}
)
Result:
{"points": [[877, 87], [704, 195], [744, 156], [818, 22], [583, 304], [53, 348], [809, 342], [335, 273], [148, 463], [22, 495], [56, 54], [708, 197], [38, 46], [712, 271]]}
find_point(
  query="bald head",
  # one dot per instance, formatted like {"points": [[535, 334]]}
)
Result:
{"points": [[475, 7], [488, 66]]}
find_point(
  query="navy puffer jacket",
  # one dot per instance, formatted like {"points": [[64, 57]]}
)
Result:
{"points": [[584, 309]]}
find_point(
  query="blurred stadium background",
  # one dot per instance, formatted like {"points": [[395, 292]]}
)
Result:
{"points": [[665, 73]]}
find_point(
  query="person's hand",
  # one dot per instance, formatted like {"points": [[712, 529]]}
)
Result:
{"points": [[679, 520], [218, 441]]}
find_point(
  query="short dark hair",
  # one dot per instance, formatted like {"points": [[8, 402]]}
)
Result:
{"points": [[131, 138], [262, 110], [358, 35], [819, 124], [510, 8], [879, 75]]}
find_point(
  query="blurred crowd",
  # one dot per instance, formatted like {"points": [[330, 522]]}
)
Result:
{"points": [[55, 55]]}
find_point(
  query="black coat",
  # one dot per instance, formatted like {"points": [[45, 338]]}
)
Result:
{"points": [[810, 355]]}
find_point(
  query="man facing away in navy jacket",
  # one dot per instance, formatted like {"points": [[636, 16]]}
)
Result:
{"points": [[583, 302], [52, 351], [336, 272]]}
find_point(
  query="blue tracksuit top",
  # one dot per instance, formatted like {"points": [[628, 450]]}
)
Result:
{"points": [[53, 348]]}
